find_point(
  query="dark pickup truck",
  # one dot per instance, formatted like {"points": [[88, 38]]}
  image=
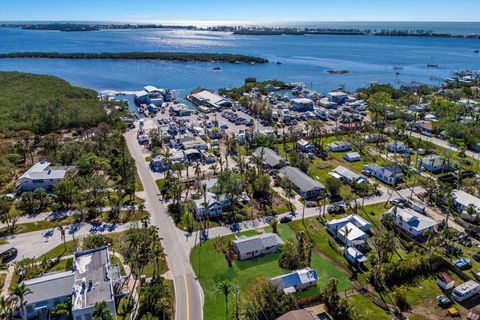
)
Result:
{"points": [[8, 255]]}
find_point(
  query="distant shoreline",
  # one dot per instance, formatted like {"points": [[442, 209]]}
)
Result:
{"points": [[239, 30], [161, 56]]}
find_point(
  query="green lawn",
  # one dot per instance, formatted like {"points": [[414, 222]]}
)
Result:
{"points": [[211, 268], [367, 309]]}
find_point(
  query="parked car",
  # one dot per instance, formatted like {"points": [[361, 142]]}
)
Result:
{"points": [[8, 255], [476, 256], [443, 301], [400, 202], [336, 208], [453, 312], [285, 219], [463, 263]]}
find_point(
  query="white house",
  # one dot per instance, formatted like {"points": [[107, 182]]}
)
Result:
{"points": [[214, 205], [305, 146], [434, 164], [352, 156], [339, 146], [302, 104], [347, 175], [296, 281], [351, 230], [387, 174], [413, 223], [462, 200], [396, 147], [251, 247], [355, 256], [42, 175]]}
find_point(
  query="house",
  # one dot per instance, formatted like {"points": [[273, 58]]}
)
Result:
{"points": [[413, 223], [305, 186], [208, 98], [46, 292], [96, 280], [352, 156], [462, 200], [302, 104], [445, 281], [192, 155], [211, 204], [434, 164], [315, 312], [269, 158], [141, 97], [337, 97], [42, 175], [208, 157], [397, 147], [251, 247], [93, 279], [180, 110], [350, 231], [193, 143], [347, 175], [339, 146], [355, 256], [387, 174], [296, 281], [305, 146], [375, 138], [158, 164]]}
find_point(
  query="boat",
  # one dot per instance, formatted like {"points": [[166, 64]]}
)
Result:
{"points": [[217, 69], [432, 65], [397, 73], [397, 68], [278, 62], [476, 51], [338, 71]]}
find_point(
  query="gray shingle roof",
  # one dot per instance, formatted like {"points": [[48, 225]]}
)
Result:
{"points": [[300, 179], [259, 242]]}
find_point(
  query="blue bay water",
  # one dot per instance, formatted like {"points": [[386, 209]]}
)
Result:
{"points": [[303, 58]]}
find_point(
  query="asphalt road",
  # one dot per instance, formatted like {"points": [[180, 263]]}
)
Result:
{"points": [[188, 292]]}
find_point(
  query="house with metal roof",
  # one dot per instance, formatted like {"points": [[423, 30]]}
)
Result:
{"points": [[462, 200], [396, 147], [46, 292], [305, 186], [339, 146], [350, 231], [211, 204], [269, 158], [355, 256], [387, 174], [413, 223], [259, 245], [434, 164], [42, 175], [348, 176], [208, 98], [93, 279], [296, 281], [352, 156]]}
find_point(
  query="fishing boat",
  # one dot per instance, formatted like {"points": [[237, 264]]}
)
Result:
{"points": [[476, 51], [432, 65], [278, 62], [217, 69]]}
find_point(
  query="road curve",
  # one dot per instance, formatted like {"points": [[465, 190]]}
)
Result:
{"points": [[188, 292]]}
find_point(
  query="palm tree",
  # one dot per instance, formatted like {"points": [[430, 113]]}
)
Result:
{"points": [[4, 308], [62, 234], [225, 287], [19, 292]]}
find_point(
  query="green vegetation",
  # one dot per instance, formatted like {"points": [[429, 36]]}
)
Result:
{"points": [[211, 268], [43, 104], [163, 56]]}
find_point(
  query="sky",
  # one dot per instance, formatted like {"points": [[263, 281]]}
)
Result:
{"points": [[243, 10]]}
